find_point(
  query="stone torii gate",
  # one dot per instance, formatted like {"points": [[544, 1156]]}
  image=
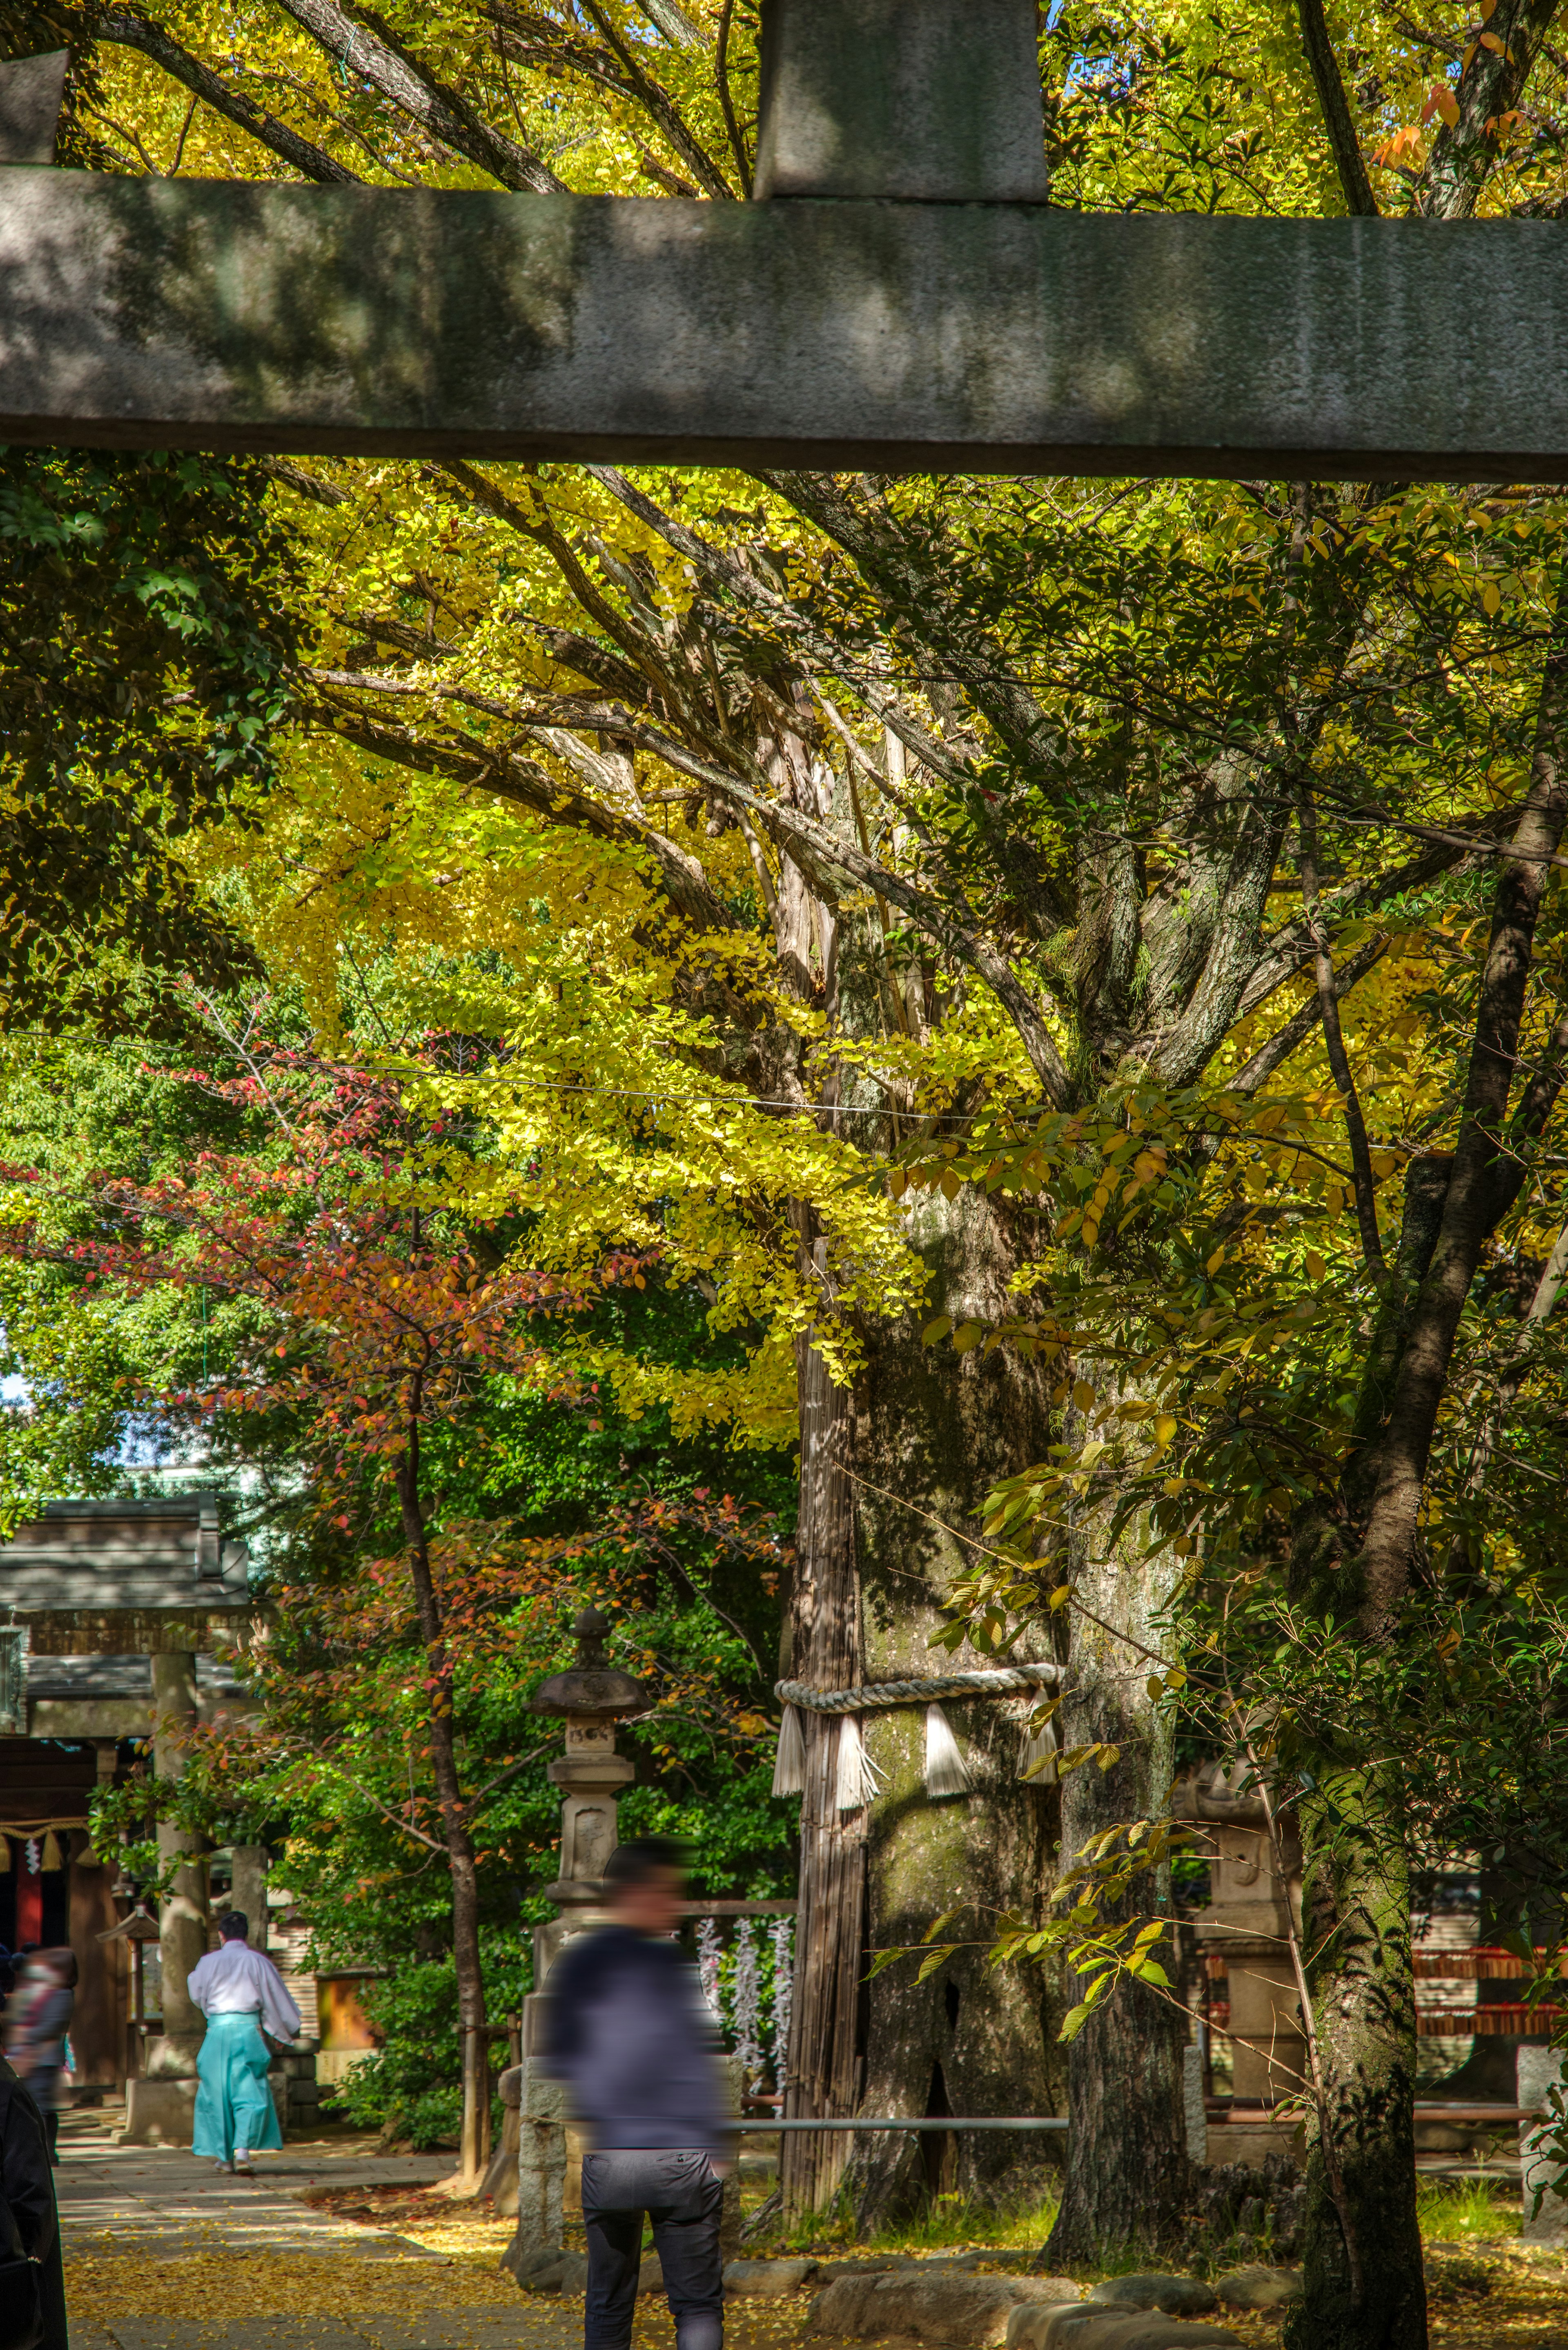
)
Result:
{"points": [[902, 296]]}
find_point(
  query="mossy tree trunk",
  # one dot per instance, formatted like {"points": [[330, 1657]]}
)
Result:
{"points": [[934, 1433], [1129, 2178], [1363, 2245]]}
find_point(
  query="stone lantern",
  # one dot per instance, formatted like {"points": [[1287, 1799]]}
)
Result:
{"points": [[590, 1698]]}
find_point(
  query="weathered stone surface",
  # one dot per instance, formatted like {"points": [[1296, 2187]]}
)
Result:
{"points": [[972, 2311], [406, 321], [30, 93], [1540, 2070], [768, 2280], [651, 2276], [939, 103], [550, 2271], [1094, 2326], [1259, 2288], [1175, 2296]]}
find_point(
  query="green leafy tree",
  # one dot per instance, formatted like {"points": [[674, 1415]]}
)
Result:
{"points": [[144, 651], [372, 1349]]}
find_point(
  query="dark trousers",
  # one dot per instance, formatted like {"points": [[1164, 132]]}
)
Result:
{"points": [[682, 2196]]}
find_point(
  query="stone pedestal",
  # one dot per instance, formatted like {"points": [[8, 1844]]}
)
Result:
{"points": [[1248, 1923], [1540, 2162], [541, 2172], [159, 2112], [1267, 2047], [295, 2090]]}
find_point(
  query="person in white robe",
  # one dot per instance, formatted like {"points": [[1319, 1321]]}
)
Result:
{"points": [[241, 1993]]}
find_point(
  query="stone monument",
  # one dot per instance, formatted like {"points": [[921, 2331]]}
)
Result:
{"points": [[1247, 1924]]}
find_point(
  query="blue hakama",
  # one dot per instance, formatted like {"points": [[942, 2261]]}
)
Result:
{"points": [[233, 2102]]}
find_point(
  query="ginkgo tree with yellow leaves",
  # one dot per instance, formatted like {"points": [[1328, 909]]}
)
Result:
{"points": [[773, 824]]}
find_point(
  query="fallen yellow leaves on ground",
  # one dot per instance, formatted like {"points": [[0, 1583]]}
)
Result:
{"points": [[1523, 2304], [102, 2286]]}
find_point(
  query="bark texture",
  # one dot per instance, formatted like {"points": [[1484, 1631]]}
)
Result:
{"points": [[825, 1650], [1129, 2179], [937, 1430], [1356, 1899]]}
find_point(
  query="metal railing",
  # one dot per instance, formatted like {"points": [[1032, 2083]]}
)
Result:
{"points": [[929, 2122]]}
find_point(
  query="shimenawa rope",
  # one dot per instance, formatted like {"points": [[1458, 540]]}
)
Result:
{"points": [[946, 1771]]}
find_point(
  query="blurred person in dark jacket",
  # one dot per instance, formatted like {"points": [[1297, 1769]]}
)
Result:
{"points": [[36, 2023], [628, 2033], [29, 2188]]}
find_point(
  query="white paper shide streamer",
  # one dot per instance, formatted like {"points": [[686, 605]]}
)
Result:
{"points": [[789, 1764], [858, 1777], [708, 1953], [1038, 1751], [946, 1773]]}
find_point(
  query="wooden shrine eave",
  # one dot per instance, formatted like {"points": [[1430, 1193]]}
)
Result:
{"points": [[842, 333]]}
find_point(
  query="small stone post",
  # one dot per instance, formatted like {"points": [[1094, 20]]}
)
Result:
{"points": [[591, 1775], [1539, 2162]]}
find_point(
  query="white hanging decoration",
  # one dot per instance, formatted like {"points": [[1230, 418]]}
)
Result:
{"points": [[1042, 1745], [34, 1858], [708, 1956], [745, 2000], [784, 1994], [858, 1777], [789, 1762], [947, 1772]]}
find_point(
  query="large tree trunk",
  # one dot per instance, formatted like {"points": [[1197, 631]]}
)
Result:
{"points": [[825, 1650], [934, 1431], [1363, 2245], [1130, 2177], [1367, 2294]]}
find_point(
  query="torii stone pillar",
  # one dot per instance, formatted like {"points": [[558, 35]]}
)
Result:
{"points": [[903, 298], [164, 2101], [590, 1698]]}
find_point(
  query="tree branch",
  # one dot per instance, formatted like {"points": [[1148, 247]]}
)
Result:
{"points": [[663, 111], [363, 44], [1495, 70], [1353, 182], [1467, 1220], [721, 76], [1279, 1047], [127, 30], [529, 786], [1365, 1186]]}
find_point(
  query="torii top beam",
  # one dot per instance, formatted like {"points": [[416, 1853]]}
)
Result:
{"points": [[901, 297]]}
